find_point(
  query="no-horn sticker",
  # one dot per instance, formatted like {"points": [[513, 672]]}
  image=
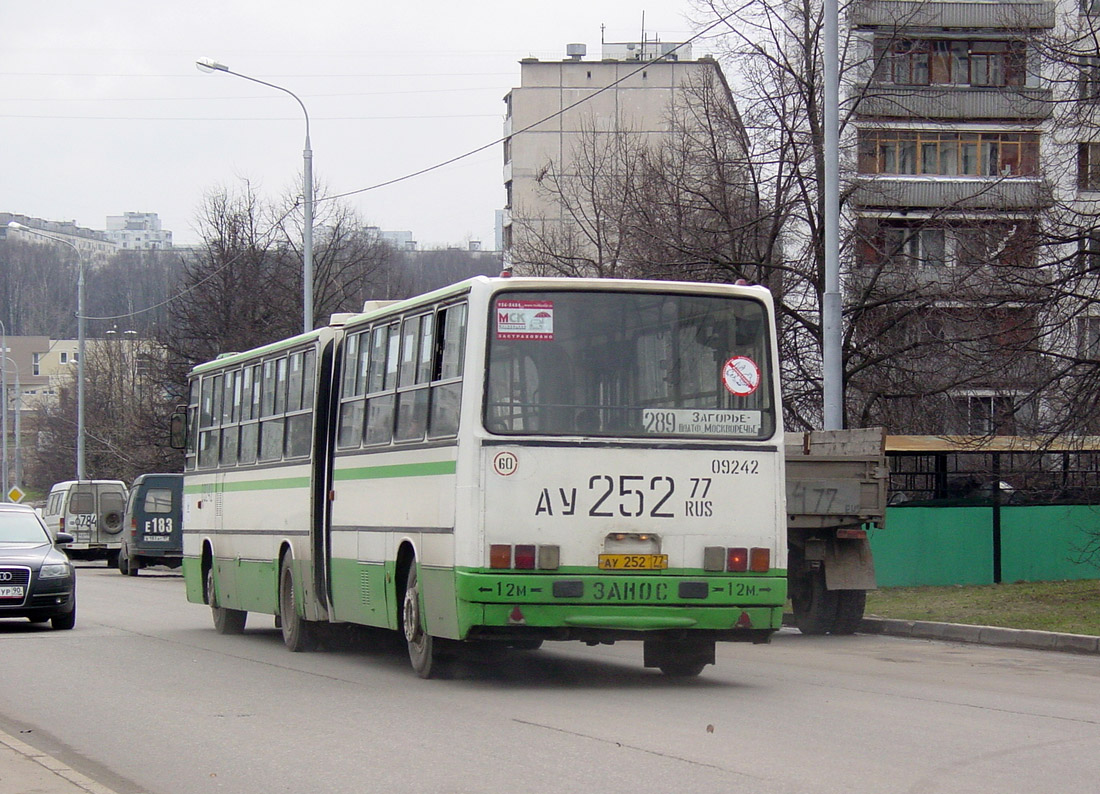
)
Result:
{"points": [[741, 376]]}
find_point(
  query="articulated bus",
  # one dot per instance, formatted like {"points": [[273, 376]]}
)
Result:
{"points": [[506, 460]]}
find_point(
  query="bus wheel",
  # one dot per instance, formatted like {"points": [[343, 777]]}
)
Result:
{"points": [[678, 659], [425, 653], [226, 621], [815, 607], [299, 634]]}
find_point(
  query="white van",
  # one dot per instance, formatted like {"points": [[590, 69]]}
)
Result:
{"points": [[92, 512]]}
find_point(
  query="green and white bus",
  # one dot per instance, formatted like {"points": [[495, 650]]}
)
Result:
{"points": [[506, 460]]}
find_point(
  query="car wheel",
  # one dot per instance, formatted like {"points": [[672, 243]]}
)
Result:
{"points": [[64, 622]]}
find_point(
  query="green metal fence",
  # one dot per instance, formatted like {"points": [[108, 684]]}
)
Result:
{"points": [[932, 545]]}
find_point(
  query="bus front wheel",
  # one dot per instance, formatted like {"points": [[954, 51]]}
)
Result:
{"points": [[299, 634], [425, 653]]}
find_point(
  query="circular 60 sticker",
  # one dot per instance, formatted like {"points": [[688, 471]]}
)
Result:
{"points": [[741, 376], [505, 463]]}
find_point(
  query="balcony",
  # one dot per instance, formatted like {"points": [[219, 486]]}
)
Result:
{"points": [[908, 14], [887, 101], [973, 193]]}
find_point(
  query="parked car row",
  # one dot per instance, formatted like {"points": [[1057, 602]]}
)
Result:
{"points": [[87, 519]]}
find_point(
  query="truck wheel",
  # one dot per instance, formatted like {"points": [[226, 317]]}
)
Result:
{"points": [[849, 613], [299, 634], [226, 621], [815, 608], [425, 651]]}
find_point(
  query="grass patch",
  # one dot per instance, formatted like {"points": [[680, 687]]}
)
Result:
{"points": [[1071, 606]]}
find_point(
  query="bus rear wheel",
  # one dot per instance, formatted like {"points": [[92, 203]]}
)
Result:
{"points": [[226, 621], [299, 634], [425, 652]]}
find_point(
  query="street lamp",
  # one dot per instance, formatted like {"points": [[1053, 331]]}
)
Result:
{"points": [[80, 340], [4, 407], [18, 432], [209, 65]]}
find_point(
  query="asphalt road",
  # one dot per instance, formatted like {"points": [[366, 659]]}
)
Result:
{"points": [[143, 696]]}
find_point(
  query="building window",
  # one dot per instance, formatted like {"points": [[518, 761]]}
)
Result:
{"points": [[950, 62], [36, 364], [906, 152], [1088, 337], [982, 414], [507, 150], [508, 194], [64, 358], [1088, 166]]}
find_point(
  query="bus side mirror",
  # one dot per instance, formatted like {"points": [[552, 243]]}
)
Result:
{"points": [[178, 430]]}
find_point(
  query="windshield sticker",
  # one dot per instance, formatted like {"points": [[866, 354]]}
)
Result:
{"points": [[525, 320], [690, 422], [741, 376]]}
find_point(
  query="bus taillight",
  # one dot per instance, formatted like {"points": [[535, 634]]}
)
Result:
{"points": [[760, 560], [527, 557], [737, 560], [500, 556]]}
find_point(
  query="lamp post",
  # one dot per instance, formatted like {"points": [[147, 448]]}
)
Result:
{"points": [[80, 340], [4, 407], [208, 65], [18, 430]]}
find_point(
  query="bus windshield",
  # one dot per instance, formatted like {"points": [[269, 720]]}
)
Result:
{"points": [[629, 364]]}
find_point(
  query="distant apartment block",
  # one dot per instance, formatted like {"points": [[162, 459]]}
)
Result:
{"points": [[137, 231], [93, 246]]}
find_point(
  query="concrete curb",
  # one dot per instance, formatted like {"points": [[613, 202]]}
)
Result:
{"points": [[24, 768], [983, 635]]}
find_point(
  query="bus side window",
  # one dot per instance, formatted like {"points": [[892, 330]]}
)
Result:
{"points": [[446, 390], [382, 377], [412, 394]]}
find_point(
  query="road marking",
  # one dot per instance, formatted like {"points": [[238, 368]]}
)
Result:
{"points": [[51, 764]]}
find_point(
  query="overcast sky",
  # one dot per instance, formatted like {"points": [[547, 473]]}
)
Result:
{"points": [[104, 112]]}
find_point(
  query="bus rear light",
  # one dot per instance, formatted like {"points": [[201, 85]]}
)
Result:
{"points": [[737, 561], [525, 557], [760, 560], [549, 558], [500, 556], [714, 558]]}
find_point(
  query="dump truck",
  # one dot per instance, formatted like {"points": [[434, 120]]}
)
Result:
{"points": [[836, 494]]}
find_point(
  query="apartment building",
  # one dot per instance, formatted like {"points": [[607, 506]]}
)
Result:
{"points": [[139, 231], [953, 118], [571, 117]]}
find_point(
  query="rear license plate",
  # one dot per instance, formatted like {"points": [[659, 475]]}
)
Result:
{"points": [[633, 562], [11, 592]]}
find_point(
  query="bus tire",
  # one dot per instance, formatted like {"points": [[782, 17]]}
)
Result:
{"points": [[226, 621], [849, 613], [815, 606], [299, 634], [425, 651]]}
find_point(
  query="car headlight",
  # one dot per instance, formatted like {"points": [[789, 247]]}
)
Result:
{"points": [[54, 571]]}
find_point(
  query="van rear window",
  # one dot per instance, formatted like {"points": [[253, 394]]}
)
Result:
{"points": [[82, 500], [158, 500]]}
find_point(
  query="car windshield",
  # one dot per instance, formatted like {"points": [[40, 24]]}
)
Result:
{"points": [[20, 527]]}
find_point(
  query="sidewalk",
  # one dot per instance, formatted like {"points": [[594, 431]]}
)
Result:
{"points": [[25, 770], [983, 635]]}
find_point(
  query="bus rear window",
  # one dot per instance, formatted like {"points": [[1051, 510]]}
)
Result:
{"points": [[629, 364]]}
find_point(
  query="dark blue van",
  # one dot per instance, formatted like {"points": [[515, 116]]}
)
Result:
{"points": [[153, 525]]}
